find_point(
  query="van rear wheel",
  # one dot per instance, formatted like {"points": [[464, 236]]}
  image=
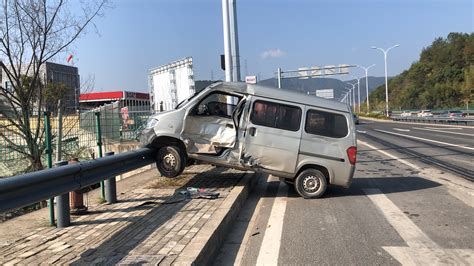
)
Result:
{"points": [[310, 183], [170, 161]]}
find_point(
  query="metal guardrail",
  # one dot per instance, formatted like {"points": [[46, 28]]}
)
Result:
{"points": [[435, 120], [22, 190]]}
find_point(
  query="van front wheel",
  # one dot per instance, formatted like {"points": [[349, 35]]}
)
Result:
{"points": [[170, 161], [310, 183]]}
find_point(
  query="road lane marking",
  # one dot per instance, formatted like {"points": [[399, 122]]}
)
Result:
{"points": [[270, 248], [457, 128], [406, 228], [389, 155], [429, 140], [251, 224], [361, 131], [461, 189], [421, 249], [401, 129], [442, 131]]}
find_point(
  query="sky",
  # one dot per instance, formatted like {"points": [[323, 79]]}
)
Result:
{"points": [[137, 35]]}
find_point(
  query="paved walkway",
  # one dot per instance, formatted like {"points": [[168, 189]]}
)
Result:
{"points": [[149, 225]]}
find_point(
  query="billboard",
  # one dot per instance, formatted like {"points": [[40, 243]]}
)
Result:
{"points": [[170, 84], [251, 79], [328, 93]]}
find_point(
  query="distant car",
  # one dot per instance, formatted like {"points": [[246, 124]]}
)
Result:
{"points": [[405, 114], [356, 119], [453, 114], [425, 113]]}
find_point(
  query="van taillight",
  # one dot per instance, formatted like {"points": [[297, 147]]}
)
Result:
{"points": [[352, 154]]}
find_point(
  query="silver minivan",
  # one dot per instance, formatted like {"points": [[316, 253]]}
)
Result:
{"points": [[304, 140]]}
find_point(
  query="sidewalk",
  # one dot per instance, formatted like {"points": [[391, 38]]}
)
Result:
{"points": [[150, 224]]}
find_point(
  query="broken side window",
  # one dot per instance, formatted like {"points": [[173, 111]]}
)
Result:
{"points": [[217, 104]]}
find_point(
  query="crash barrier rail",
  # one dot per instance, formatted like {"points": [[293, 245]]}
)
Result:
{"points": [[435, 120], [22, 190]]}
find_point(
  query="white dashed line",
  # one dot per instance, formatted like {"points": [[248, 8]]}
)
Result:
{"points": [[401, 129]]}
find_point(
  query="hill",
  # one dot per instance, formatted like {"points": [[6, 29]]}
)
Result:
{"points": [[443, 77]]}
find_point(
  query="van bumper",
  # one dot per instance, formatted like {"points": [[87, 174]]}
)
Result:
{"points": [[147, 136], [344, 179]]}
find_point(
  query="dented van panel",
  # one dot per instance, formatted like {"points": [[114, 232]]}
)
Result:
{"points": [[250, 127], [208, 134]]}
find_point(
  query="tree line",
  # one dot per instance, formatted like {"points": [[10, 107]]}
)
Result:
{"points": [[443, 77]]}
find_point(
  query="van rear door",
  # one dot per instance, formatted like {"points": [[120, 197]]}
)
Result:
{"points": [[273, 135]]}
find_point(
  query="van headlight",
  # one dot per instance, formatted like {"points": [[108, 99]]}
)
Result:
{"points": [[151, 122]]}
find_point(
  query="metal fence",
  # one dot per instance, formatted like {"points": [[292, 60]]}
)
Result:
{"points": [[79, 135]]}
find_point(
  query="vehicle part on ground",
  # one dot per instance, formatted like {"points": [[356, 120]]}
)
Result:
{"points": [[170, 161], [311, 183]]}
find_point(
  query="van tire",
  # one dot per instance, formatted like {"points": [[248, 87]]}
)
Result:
{"points": [[311, 183], [170, 161]]}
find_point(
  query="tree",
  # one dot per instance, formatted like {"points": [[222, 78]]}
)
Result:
{"points": [[442, 78], [33, 32]]}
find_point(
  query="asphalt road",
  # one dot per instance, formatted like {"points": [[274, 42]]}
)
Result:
{"points": [[411, 202]]}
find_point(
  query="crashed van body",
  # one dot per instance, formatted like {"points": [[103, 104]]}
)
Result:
{"points": [[305, 140]]}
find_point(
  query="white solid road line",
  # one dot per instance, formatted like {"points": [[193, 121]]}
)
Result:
{"points": [[443, 131], [251, 224], [270, 248], [421, 249], [389, 155], [429, 140], [401, 129]]}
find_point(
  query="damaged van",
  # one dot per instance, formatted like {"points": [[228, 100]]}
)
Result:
{"points": [[304, 140]]}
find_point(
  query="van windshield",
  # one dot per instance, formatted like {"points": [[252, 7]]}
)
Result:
{"points": [[185, 101]]}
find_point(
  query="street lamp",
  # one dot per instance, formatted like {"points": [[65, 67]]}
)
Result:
{"points": [[358, 91], [366, 83], [353, 95], [386, 78], [347, 96]]}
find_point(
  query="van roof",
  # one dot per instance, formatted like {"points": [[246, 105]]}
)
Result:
{"points": [[280, 94]]}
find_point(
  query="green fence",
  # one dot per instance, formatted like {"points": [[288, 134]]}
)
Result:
{"points": [[78, 140]]}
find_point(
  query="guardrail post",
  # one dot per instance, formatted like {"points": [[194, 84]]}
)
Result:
{"points": [[49, 159], [99, 146], [110, 186], [62, 205]]}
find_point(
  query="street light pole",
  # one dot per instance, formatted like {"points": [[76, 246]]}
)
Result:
{"points": [[358, 92], [353, 95], [386, 77], [367, 84]]}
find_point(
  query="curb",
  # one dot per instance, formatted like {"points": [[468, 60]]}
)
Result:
{"points": [[204, 247]]}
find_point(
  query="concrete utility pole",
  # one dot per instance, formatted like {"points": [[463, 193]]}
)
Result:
{"points": [[386, 77], [366, 69], [234, 40], [227, 41]]}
